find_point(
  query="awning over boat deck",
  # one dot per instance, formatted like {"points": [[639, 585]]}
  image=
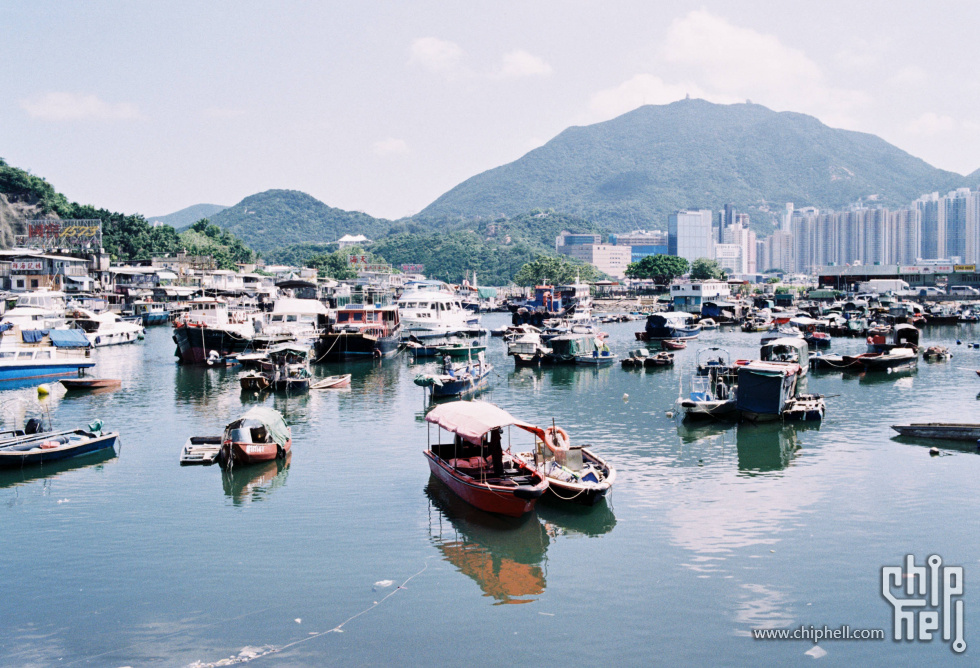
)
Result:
{"points": [[272, 419], [68, 338], [472, 419]]}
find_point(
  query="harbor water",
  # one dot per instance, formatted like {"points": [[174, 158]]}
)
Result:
{"points": [[349, 554]]}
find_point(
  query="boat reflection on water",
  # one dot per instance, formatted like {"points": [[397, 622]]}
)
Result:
{"points": [[254, 482], [503, 555], [693, 432], [17, 476], [764, 447], [566, 519]]}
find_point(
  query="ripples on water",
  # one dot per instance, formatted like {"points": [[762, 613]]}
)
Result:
{"points": [[711, 530]]}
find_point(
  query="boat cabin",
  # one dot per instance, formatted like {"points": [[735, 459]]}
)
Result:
{"points": [[766, 388], [787, 349]]}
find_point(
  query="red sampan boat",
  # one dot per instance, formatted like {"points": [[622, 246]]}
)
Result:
{"points": [[475, 466], [261, 435]]}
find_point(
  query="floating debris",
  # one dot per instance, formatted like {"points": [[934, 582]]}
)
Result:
{"points": [[817, 652]]}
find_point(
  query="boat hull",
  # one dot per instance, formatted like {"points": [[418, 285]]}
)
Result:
{"points": [[514, 502], [251, 453], [161, 318], [195, 343], [939, 430], [346, 345], [40, 370]]}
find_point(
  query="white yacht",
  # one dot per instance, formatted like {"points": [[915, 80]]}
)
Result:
{"points": [[43, 309], [105, 329], [431, 309], [300, 320]]}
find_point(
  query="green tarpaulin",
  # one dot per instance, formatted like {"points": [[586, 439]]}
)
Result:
{"points": [[273, 422]]}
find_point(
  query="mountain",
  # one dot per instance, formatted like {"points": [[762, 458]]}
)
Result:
{"points": [[633, 170], [276, 218], [187, 216]]}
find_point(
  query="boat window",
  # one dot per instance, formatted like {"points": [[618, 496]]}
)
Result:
{"points": [[24, 355], [277, 318], [434, 306], [8, 355], [343, 317], [44, 354], [291, 318]]}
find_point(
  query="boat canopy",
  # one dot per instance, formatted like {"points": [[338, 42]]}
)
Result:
{"points": [[289, 348], [273, 422], [299, 306], [68, 338], [471, 420]]}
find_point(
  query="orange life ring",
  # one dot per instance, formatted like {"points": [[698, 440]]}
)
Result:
{"points": [[549, 439]]}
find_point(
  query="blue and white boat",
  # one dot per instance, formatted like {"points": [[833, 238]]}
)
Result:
{"points": [[19, 449], [67, 354], [151, 313], [457, 378]]}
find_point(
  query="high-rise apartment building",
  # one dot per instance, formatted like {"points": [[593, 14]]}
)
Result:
{"points": [[689, 234]]}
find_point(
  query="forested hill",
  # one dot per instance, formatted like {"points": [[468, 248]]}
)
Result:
{"points": [[630, 172], [276, 218]]}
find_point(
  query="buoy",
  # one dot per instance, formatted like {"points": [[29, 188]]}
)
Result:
{"points": [[958, 342], [43, 390], [670, 414], [626, 397], [933, 451]]}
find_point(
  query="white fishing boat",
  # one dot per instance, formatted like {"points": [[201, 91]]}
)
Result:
{"points": [[713, 395]]}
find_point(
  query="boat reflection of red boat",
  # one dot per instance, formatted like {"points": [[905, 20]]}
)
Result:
{"points": [[475, 466], [261, 435]]}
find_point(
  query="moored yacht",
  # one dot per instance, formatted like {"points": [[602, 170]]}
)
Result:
{"points": [[430, 309], [105, 329]]}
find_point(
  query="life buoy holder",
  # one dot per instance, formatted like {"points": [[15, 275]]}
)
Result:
{"points": [[562, 440]]}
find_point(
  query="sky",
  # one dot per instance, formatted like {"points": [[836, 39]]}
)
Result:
{"points": [[383, 106]]}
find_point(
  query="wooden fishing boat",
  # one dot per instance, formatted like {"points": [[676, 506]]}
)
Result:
{"points": [[260, 435], [254, 381], [475, 466], [332, 382], [574, 472], [49, 446], [202, 450], [83, 384], [950, 431], [673, 344]]}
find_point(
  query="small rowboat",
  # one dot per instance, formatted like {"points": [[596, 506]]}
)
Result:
{"points": [[332, 382], [261, 435], [82, 384], [673, 344], [201, 450], [942, 430]]}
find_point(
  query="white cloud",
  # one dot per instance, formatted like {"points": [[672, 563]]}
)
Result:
{"points": [[729, 57], [389, 146], [645, 89], [57, 106], [520, 63], [436, 55], [707, 57], [931, 124]]}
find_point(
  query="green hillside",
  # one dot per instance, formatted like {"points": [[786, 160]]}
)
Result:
{"points": [[187, 216], [630, 172], [276, 218]]}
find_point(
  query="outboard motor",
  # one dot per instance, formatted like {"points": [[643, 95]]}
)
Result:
{"points": [[33, 426]]}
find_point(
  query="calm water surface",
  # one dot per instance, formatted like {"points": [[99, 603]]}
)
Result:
{"points": [[709, 532]]}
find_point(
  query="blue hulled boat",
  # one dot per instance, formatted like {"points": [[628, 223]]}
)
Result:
{"points": [[20, 449]]}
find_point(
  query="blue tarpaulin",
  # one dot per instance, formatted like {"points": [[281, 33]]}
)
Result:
{"points": [[68, 338], [32, 335]]}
